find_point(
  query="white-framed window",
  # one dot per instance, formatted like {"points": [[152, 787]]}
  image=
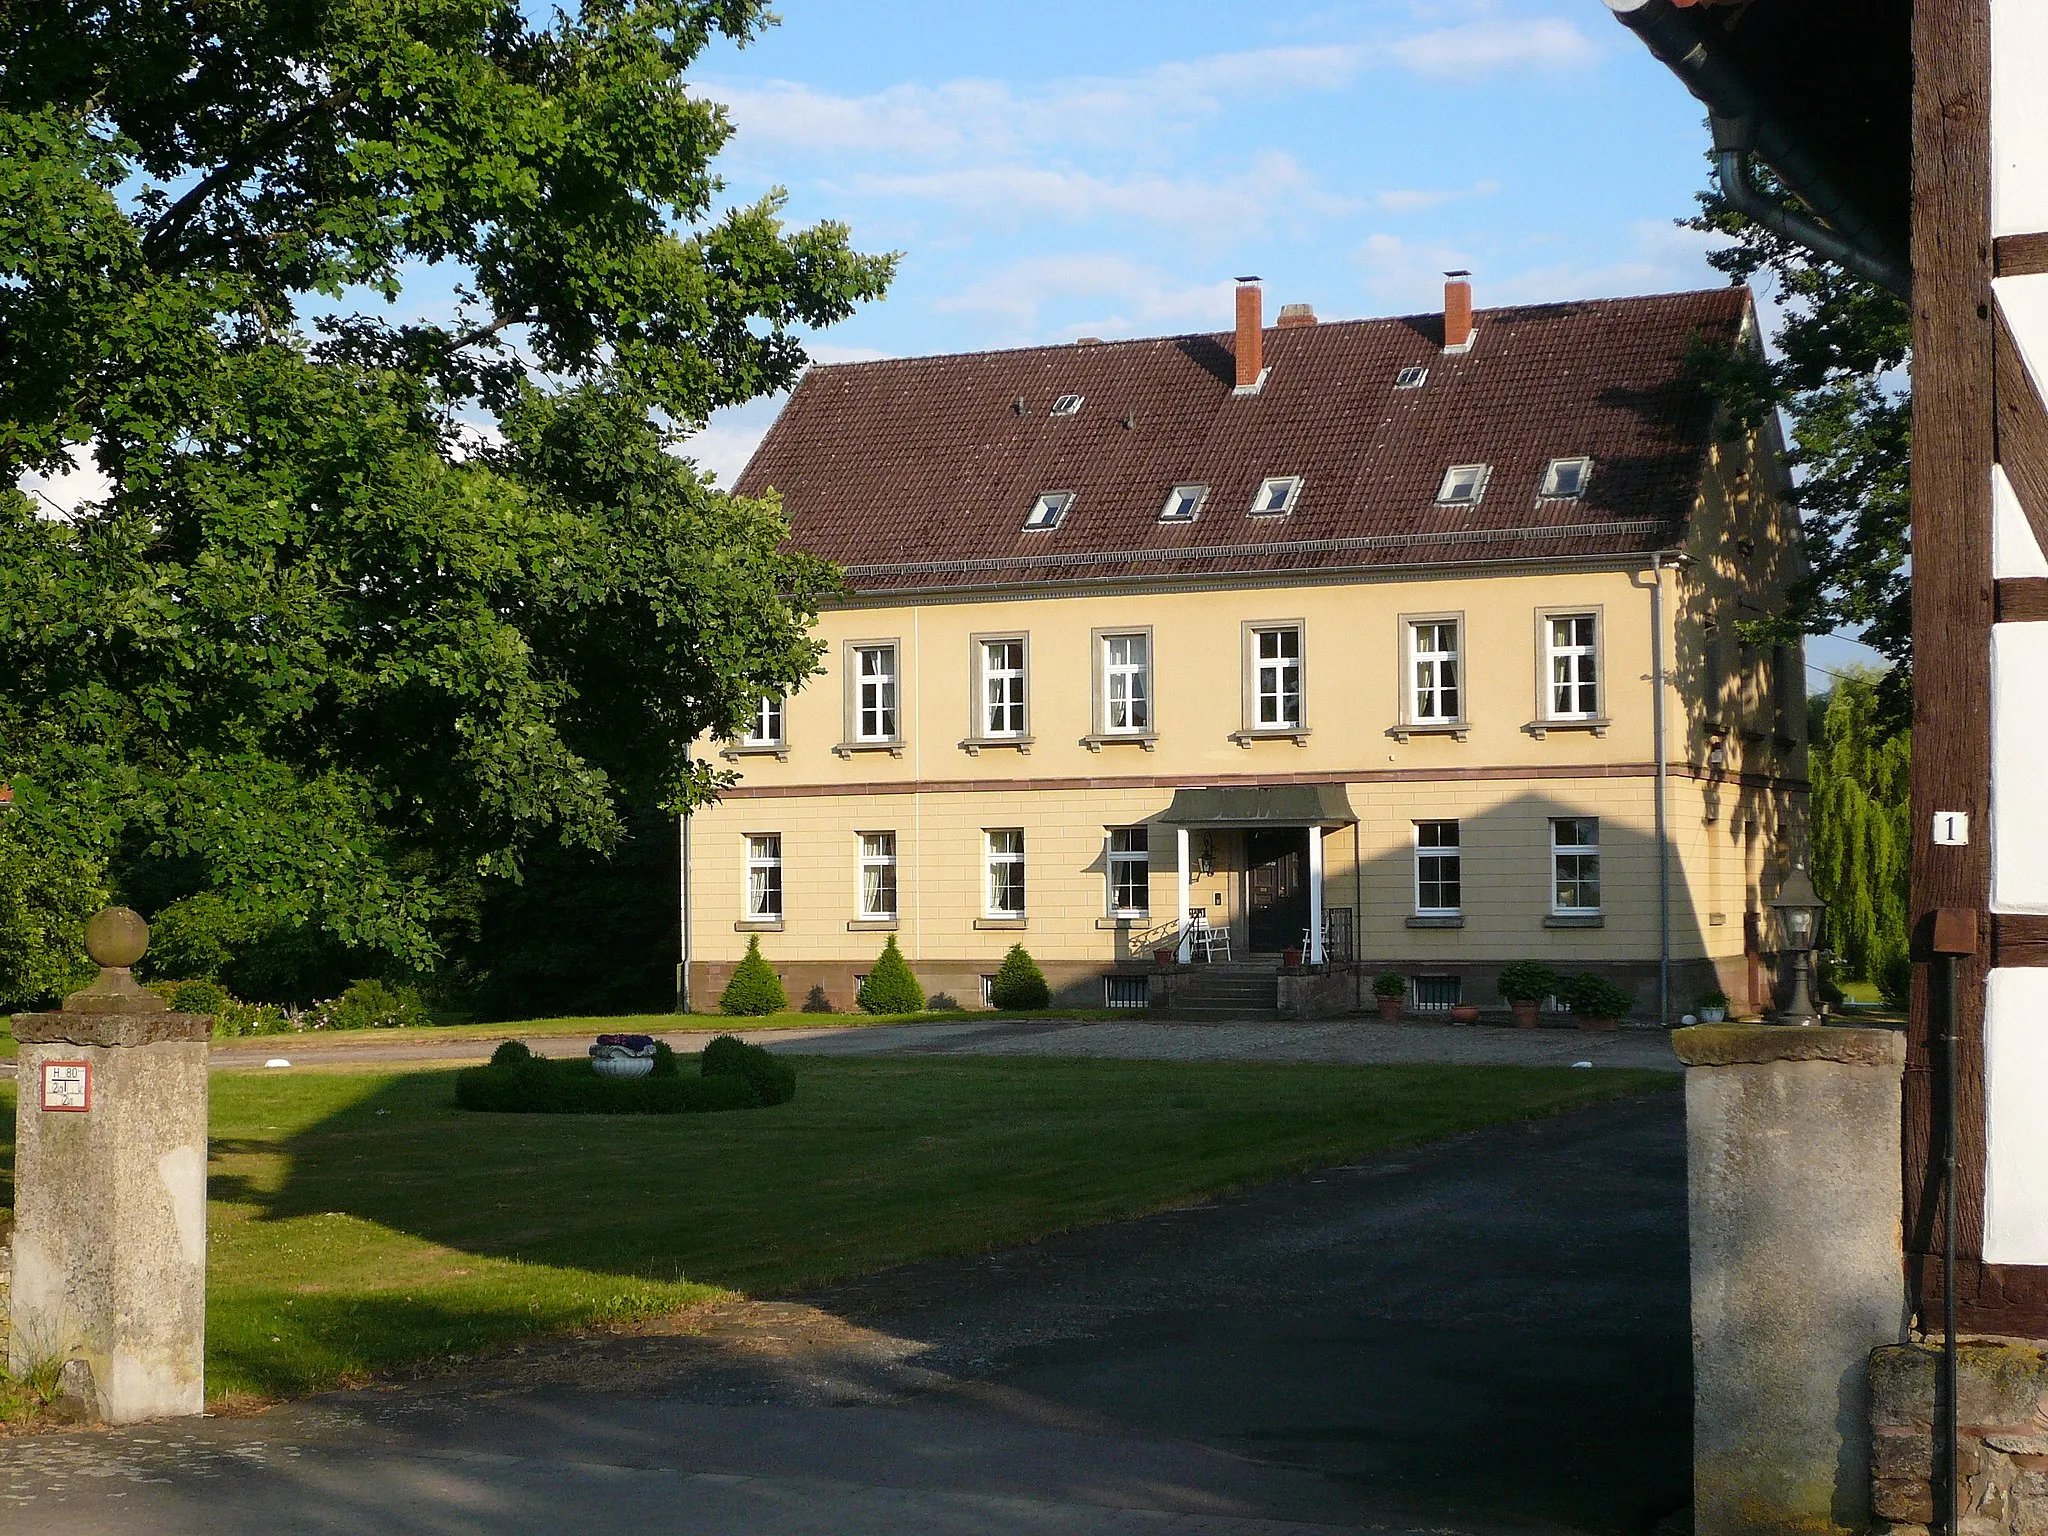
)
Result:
{"points": [[1571, 646], [1276, 677], [1411, 377], [1126, 684], [1464, 485], [1435, 994], [988, 991], [1438, 870], [1130, 871], [764, 875], [1005, 871], [1434, 694], [874, 702], [1566, 478], [1575, 865], [1277, 496], [1184, 503], [765, 728], [1047, 511], [878, 874], [1002, 686], [1067, 405]]}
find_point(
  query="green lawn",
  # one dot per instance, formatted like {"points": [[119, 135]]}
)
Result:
{"points": [[360, 1221]]}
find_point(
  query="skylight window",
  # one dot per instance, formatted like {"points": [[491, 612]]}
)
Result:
{"points": [[1463, 485], [1183, 503], [1277, 496], [1566, 478], [1067, 405], [1047, 511], [1410, 378]]}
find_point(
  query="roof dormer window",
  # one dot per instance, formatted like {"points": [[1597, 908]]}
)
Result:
{"points": [[1277, 496], [1066, 405], [1566, 479], [1183, 503], [1410, 378], [1463, 485], [1047, 511]]}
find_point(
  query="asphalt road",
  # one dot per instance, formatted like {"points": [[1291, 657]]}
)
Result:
{"points": [[1485, 1335]]}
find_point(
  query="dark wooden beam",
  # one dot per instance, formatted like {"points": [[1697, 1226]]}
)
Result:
{"points": [[2019, 938], [2022, 436], [2020, 255], [2022, 600]]}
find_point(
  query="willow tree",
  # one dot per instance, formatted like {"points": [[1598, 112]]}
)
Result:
{"points": [[1862, 826], [379, 593]]}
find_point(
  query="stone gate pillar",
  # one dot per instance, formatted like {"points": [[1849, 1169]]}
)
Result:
{"points": [[110, 1191]]}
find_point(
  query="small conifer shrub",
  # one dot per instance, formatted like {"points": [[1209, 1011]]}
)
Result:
{"points": [[755, 989], [890, 988], [1019, 983]]}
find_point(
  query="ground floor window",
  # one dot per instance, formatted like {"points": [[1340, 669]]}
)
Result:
{"points": [[1130, 871], [1005, 871], [1433, 993], [1438, 882], [1125, 992], [1575, 864], [764, 874], [878, 874]]}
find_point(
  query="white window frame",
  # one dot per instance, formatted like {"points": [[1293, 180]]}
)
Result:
{"points": [[1414, 376], [875, 854], [1552, 472], [998, 858], [1067, 405], [1048, 511], [1582, 659], [1290, 488], [1579, 851], [762, 878], [1458, 475], [1015, 707], [877, 695], [1196, 496], [1129, 869], [1438, 853], [768, 723], [1284, 674], [1135, 679], [1415, 657]]}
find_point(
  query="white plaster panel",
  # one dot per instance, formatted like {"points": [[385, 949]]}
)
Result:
{"points": [[2015, 1125], [2019, 117], [2014, 549], [2019, 756], [2025, 302]]}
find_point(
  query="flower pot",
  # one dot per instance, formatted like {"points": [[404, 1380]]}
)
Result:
{"points": [[1291, 958], [1525, 1011], [1465, 1013], [1164, 957], [622, 1066], [1390, 1007], [1589, 1023], [1713, 1015]]}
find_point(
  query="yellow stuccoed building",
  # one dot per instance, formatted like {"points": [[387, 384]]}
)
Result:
{"points": [[1177, 659]]}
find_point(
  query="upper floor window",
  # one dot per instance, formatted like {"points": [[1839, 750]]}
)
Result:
{"points": [[1276, 677], [1183, 503], [1439, 885], [1411, 377], [878, 874], [765, 728], [1002, 687], [1127, 683], [874, 702], [764, 875], [1575, 865], [1047, 511], [1464, 485], [1005, 871], [1277, 495], [1130, 871], [1572, 665], [1434, 694], [1566, 477]]}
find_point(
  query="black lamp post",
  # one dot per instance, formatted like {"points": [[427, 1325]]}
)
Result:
{"points": [[1798, 907]]}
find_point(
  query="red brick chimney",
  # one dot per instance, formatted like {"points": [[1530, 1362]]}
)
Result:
{"points": [[1251, 338], [1457, 311], [1292, 315]]}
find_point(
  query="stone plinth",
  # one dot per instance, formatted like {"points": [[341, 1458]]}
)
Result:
{"points": [[1792, 1140], [109, 1247], [2001, 1441]]}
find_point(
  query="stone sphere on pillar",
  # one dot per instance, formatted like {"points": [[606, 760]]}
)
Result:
{"points": [[116, 937]]}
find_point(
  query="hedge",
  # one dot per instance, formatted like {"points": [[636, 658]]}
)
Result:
{"points": [[734, 1075]]}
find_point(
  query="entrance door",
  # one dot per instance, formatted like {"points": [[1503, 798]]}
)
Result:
{"points": [[1276, 868]]}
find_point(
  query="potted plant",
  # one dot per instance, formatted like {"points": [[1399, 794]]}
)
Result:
{"points": [[1165, 957], [1524, 985], [1291, 959], [1595, 1002], [1391, 988], [1712, 1007], [1464, 1013]]}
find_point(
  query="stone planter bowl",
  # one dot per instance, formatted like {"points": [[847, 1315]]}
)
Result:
{"points": [[622, 1066], [1525, 1011], [1465, 1013], [1390, 1007], [1713, 1015]]}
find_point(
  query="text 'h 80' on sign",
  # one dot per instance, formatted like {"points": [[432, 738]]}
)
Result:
{"points": [[67, 1085]]}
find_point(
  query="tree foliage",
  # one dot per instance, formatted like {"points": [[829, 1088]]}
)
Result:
{"points": [[1859, 767], [1843, 349], [371, 603]]}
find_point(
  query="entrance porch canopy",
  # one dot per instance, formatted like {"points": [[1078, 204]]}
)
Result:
{"points": [[1254, 806]]}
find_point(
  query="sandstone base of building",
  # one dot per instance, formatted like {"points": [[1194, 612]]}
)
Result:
{"points": [[2002, 1446]]}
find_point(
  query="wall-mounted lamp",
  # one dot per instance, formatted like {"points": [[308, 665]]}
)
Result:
{"points": [[1208, 855]]}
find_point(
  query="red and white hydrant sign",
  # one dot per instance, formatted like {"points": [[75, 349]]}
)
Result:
{"points": [[67, 1085]]}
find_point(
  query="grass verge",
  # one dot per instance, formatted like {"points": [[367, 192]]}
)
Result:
{"points": [[360, 1222]]}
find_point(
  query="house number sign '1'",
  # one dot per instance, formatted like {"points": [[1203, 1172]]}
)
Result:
{"points": [[67, 1085]]}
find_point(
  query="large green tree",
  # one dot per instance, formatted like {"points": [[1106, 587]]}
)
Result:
{"points": [[379, 592], [1859, 767]]}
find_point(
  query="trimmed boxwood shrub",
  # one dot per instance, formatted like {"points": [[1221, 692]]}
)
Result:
{"points": [[890, 988], [772, 1080], [1528, 981], [1019, 983], [1390, 984], [1594, 997], [755, 989], [541, 1087], [512, 1053]]}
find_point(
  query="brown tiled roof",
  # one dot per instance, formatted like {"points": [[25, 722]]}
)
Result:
{"points": [[917, 473]]}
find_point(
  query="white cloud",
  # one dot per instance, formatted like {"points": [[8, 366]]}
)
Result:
{"points": [[1100, 294], [1414, 200], [1661, 258], [1482, 47], [61, 494]]}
